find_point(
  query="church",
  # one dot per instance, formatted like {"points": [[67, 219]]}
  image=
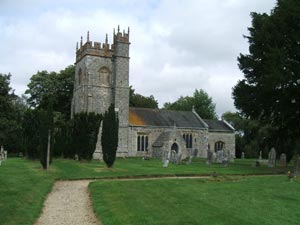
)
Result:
{"points": [[102, 78]]}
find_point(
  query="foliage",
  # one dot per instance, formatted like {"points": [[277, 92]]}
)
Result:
{"points": [[11, 113], [109, 136], [45, 120], [85, 128], [57, 88], [137, 100], [271, 88], [201, 102]]}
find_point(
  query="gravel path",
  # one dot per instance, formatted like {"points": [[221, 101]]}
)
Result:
{"points": [[68, 204]]}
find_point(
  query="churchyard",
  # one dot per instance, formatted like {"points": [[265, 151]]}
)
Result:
{"points": [[224, 194]]}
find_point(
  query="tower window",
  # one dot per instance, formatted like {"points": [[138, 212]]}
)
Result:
{"points": [[104, 76], [220, 145]]}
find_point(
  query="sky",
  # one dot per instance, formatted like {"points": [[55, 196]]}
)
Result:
{"points": [[177, 46]]}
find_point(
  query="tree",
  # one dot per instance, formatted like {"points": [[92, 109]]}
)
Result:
{"points": [[55, 87], [11, 113], [201, 102], [137, 100], [85, 128], [109, 137], [270, 91]]}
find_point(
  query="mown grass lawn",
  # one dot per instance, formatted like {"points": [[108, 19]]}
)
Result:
{"points": [[24, 185], [239, 200]]}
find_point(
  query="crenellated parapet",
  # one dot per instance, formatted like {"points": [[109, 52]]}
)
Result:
{"points": [[101, 49], [94, 49]]}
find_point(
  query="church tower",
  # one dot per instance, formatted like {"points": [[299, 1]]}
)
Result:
{"points": [[102, 78]]}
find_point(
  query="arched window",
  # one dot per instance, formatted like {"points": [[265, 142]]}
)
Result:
{"points": [[104, 76], [220, 145]]}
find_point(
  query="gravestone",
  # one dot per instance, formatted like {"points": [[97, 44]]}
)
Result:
{"points": [[296, 166], [214, 157], [5, 155], [219, 156], [260, 155], [283, 160], [272, 158], [231, 157], [165, 155], [190, 160], [173, 156], [243, 155], [166, 163], [209, 159], [225, 158], [195, 152], [178, 158]]}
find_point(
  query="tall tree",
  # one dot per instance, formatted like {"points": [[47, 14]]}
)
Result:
{"points": [[52, 88], [201, 102], [138, 100], [270, 91], [109, 136]]}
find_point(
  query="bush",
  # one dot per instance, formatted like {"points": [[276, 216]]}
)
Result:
{"points": [[109, 136], [85, 128]]}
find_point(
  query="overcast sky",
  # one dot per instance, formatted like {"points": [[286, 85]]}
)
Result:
{"points": [[176, 46]]}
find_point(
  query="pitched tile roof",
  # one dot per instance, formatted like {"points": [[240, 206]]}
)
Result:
{"points": [[218, 125], [164, 118]]}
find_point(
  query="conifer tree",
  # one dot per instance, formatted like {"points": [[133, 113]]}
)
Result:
{"points": [[109, 136]]}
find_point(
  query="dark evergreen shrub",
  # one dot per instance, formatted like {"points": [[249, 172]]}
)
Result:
{"points": [[109, 136]]}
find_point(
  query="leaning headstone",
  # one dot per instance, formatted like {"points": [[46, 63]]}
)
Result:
{"points": [[209, 159], [272, 158], [243, 155], [283, 160], [166, 163]]}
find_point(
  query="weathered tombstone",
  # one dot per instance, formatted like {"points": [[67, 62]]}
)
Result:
{"points": [[214, 157], [283, 160], [243, 155], [190, 160], [260, 155], [195, 152], [178, 158], [76, 157], [272, 158], [219, 156], [173, 156], [165, 155], [209, 159], [296, 166], [225, 159], [5, 155], [231, 157], [166, 163]]}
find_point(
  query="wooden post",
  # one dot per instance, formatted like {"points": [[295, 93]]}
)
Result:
{"points": [[48, 149]]}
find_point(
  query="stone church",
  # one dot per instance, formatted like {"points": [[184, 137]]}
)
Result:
{"points": [[102, 78]]}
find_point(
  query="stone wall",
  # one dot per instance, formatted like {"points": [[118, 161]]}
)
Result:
{"points": [[227, 138]]}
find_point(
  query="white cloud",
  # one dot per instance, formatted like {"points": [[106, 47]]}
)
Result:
{"points": [[177, 46]]}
